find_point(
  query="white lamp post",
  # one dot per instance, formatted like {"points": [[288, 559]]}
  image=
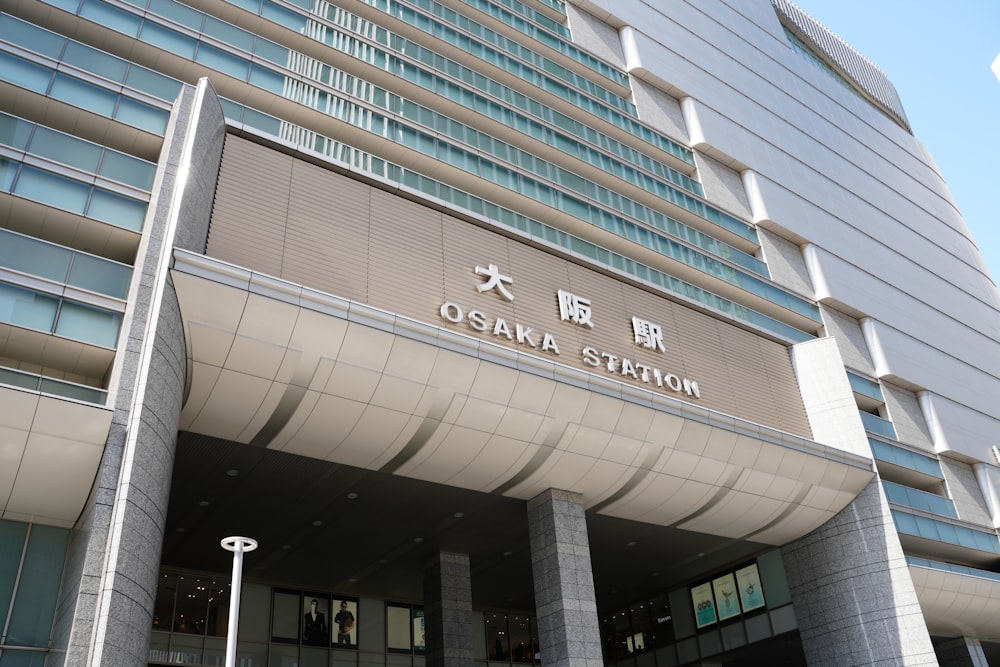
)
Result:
{"points": [[239, 546]]}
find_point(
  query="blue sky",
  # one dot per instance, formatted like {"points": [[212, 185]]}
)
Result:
{"points": [[938, 56]]}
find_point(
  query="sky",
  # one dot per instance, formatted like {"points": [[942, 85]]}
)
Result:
{"points": [[938, 56]]}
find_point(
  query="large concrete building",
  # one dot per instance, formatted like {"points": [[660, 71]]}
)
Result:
{"points": [[513, 331]]}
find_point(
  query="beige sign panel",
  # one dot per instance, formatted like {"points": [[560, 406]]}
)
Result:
{"points": [[298, 221]]}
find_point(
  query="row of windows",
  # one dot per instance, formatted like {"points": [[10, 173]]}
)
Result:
{"points": [[52, 386], [35, 139], [502, 51], [539, 28], [85, 95], [500, 215], [53, 314], [942, 531], [884, 451], [430, 80], [444, 151], [508, 217], [495, 9], [59, 264], [920, 500], [68, 194]]}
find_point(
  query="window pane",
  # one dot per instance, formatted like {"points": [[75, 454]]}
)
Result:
{"points": [[143, 116], [127, 169], [7, 171], [168, 40], [66, 149], [117, 210], [26, 308], [99, 275], [155, 84], [116, 19], [48, 188], [22, 73], [11, 545], [37, 588], [34, 38], [27, 255], [226, 63], [83, 95], [88, 324], [96, 61], [397, 627], [177, 12], [14, 132], [229, 33]]}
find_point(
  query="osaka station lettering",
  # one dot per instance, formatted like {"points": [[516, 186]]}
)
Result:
{"points": [[499, 327], [640, 372]]}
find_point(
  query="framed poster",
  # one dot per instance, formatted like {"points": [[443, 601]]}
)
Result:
{"points": [[748, 582], [315, 612], [726, 599], [704, 605], [345, 622]]}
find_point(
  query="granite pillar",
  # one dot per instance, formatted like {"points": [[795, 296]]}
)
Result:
{"points": [[448, 610], [565, 600]]}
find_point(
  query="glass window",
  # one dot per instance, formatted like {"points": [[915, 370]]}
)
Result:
{"points": [[8, 170], [83, 95], [153, 83], [497, 639], [397, 627], [37, 587], [26, 308], [12, 536], [22, 73], [99, 275], [89, 324], [117, 210], [28, 255], [226, 63], [282, 16], [255, 601], [112, 17], [228, 33], [217, 619], [168, 40], [34, 38], [285, 614], [14, 132], [66, 149], [127, 169], [177, 12], [142, 116], [96, 62]]}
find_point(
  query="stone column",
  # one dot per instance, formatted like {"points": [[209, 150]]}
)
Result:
{"points": [[565, 601], [448, 610], [104, 614], [854, 599]]}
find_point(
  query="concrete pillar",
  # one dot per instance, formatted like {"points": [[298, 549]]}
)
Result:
{"points": [[565, 601], [854, 599], [104, 613], [961, 652], [448, 610]]}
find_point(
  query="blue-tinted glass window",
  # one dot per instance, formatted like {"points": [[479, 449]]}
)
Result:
{"points": [[169, 40], [96, 62], [127, 169], [143, 116], [226, 63], [11, 546], [157, 85], [117, 210], [66, 149], [37, 587], [83, 95], [28, 255], [112, 17], [8, 170], [49, 188], [99, 275], [26, 308], [24, 74], [14, 132], [89, 324], [34, 38]]}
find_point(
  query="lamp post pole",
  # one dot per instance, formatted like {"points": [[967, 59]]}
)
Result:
{"points": [[239, 546]]}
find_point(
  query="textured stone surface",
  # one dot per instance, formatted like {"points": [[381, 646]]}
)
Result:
{"points": [[448, 610], [109, 584], [565, 601], [854, 599]]}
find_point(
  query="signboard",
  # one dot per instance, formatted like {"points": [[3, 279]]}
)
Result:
{"points": [[726, 599], [704, 604], [751, 593]]}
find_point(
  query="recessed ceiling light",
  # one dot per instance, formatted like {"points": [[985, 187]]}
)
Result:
{"points": [[286, 547], [178, 530], [631, 544], [204, 503], [233, 472], [352, 496], [317, 523], [507, 553], [459, 515], [418, 540]]}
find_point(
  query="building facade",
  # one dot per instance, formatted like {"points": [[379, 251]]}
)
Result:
{"points": [[513, 331]]}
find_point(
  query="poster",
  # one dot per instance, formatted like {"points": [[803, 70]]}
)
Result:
{"points": [[704, 605], [748, 582], [315, 630], [726, 599], [345, 623]]}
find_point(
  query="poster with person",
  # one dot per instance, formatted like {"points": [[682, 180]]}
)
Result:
{"points": [[315, 627], [345, 622]]}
